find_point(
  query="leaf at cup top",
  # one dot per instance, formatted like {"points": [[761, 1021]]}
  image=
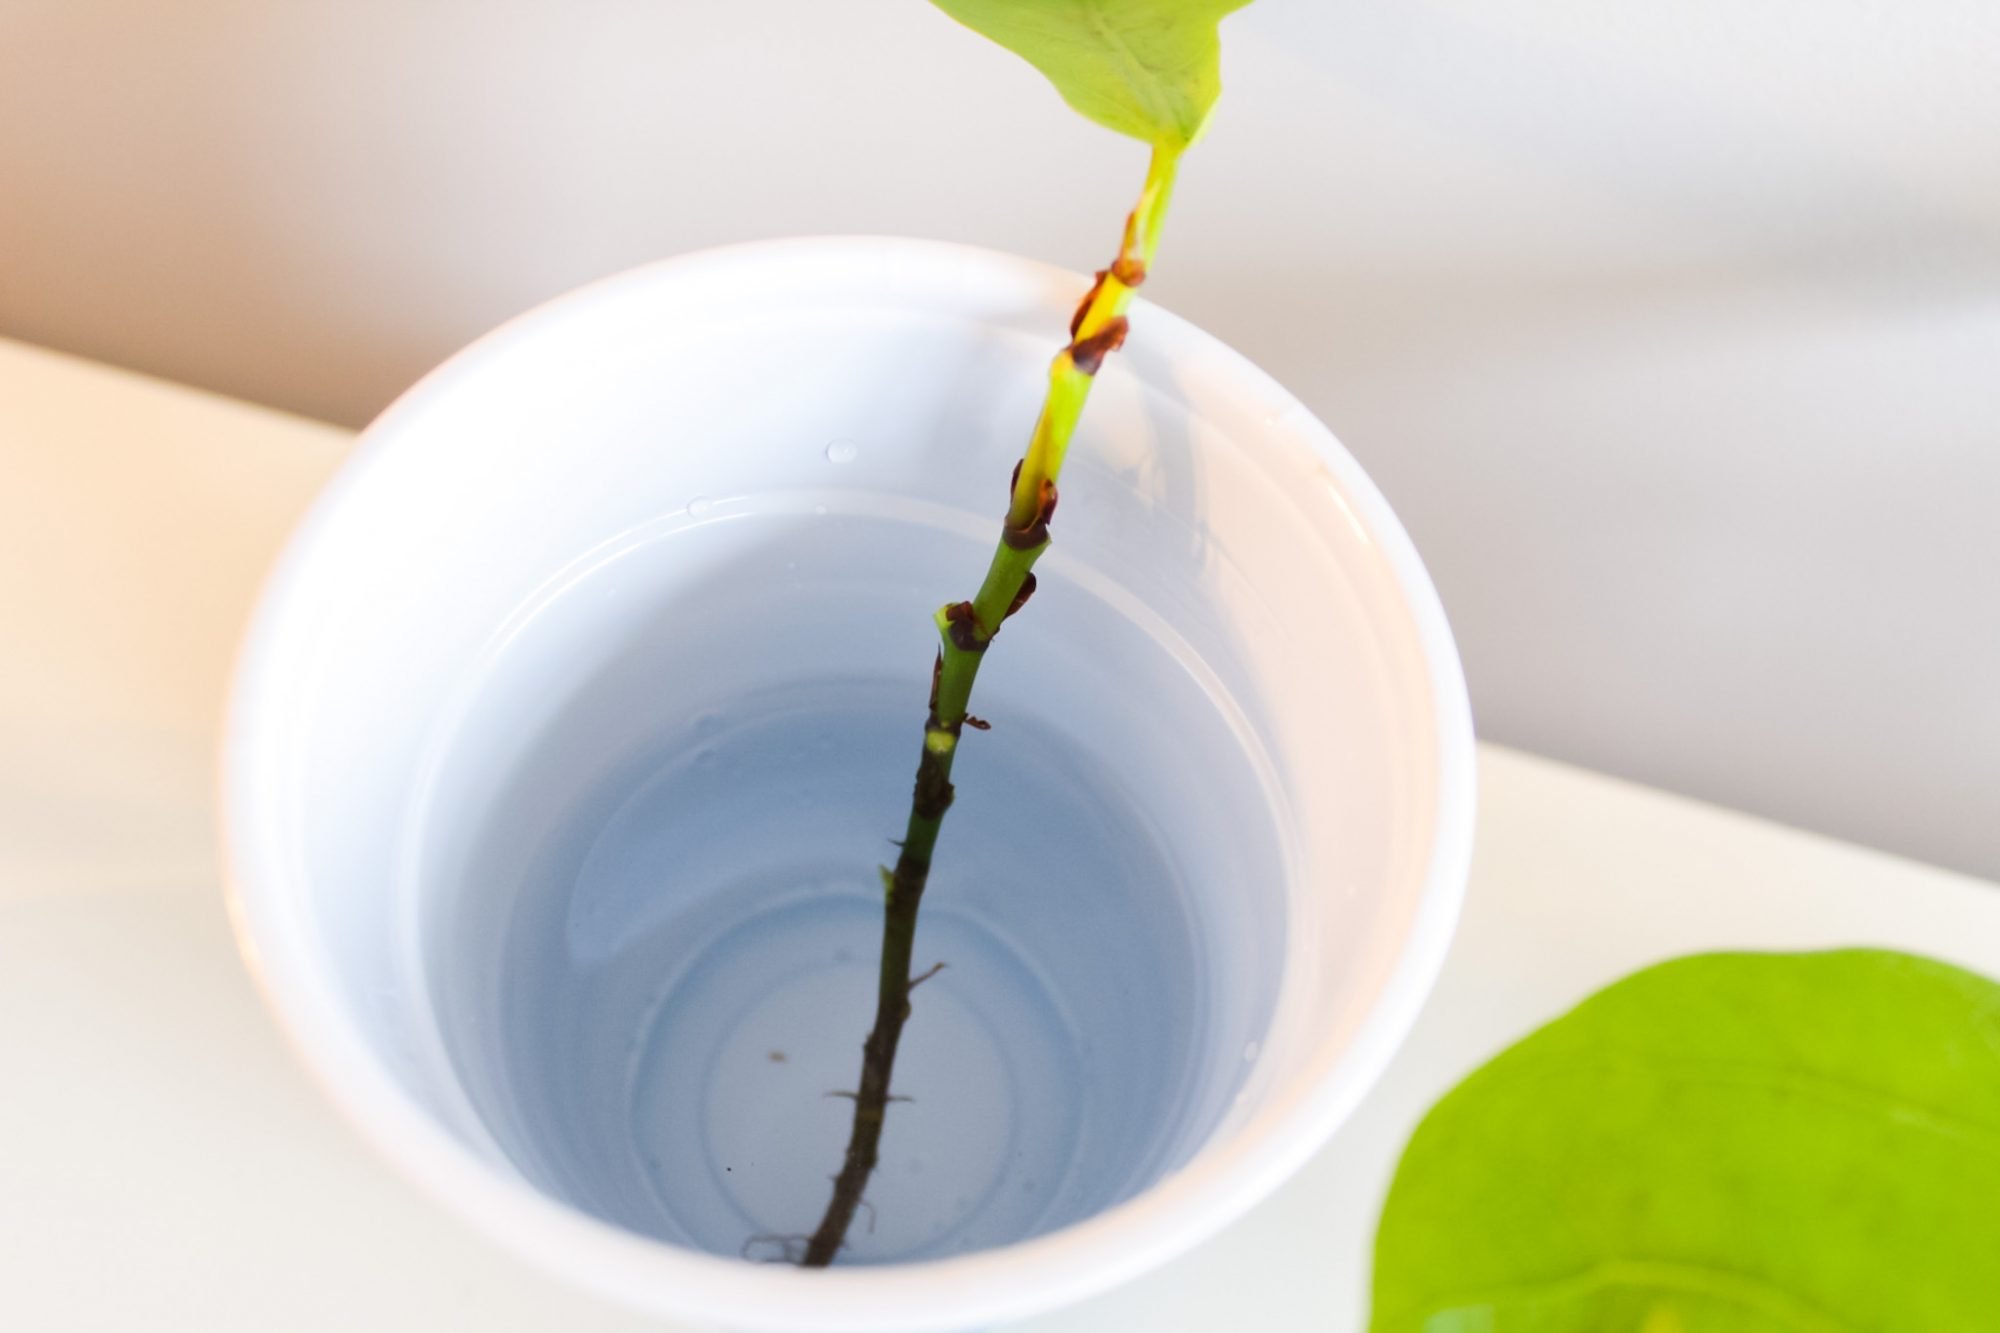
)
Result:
{"points": [[1147, 68]]}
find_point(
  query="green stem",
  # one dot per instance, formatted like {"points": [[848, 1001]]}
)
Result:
{"points": [[965, 629]]}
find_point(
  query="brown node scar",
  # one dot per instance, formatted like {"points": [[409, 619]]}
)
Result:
{"points": [[1021, 597], [963, 627], [1130, 270], [1089, 353], [978, 723], [1037, 532], [1026, 539]]}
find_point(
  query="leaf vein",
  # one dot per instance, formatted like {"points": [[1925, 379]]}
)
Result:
{"points": [[1822, 1088], [1141, 80], [1740, 1289]]}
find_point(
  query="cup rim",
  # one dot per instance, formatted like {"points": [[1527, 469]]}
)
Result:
{"points": [[1006, 1282]]}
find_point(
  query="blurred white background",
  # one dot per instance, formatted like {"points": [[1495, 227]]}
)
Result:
{"points": [[1673, 331]]}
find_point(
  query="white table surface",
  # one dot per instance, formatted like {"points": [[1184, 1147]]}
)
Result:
{"points": [[165, 1166]]}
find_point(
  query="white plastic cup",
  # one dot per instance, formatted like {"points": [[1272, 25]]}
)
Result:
{"points": [[579, 713]]}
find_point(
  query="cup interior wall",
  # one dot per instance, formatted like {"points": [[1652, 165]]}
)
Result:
{"points": [[593, 701], [652, 849]]}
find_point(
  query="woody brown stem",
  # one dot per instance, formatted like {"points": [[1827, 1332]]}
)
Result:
{"points": [[965, 629]]}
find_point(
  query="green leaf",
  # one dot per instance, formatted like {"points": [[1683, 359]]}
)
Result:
{"points": [[1147, 68], [1729, 1143]]}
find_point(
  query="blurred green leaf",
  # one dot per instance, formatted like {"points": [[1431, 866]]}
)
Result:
{"points": [[1147, 68], [1729, 1143]]}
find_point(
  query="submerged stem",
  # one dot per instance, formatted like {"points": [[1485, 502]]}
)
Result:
{"points": [[966, 628]]}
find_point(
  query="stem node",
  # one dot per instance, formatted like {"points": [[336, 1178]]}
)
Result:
{"points": [[1088, 353]]}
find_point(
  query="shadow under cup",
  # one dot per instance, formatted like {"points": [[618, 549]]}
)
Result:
{"points": [[585, 707]]}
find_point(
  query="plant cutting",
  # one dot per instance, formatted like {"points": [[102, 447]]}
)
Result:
{"points": [[1147, 69], [554, 843]]}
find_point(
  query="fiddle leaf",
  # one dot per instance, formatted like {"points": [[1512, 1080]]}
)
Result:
{"points": [[1727, 1143], [1147, 68]]}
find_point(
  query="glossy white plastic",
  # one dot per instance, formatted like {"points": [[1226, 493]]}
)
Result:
{"points": [[553, 787]]}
